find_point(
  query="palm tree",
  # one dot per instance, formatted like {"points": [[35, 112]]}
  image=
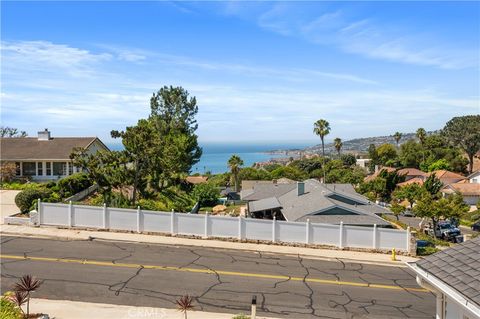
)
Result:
{"points": [[27, 285], [421, 135], [322, 129], [397, 136], [337, 142], [234, 163], [184, 304]]}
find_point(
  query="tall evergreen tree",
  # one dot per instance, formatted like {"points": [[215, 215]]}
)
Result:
{"points": [[464, 131]]}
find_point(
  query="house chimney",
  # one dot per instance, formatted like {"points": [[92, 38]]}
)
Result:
{"points": [[44, 135], [300, 188]]}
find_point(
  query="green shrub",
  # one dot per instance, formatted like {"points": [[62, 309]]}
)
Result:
{"points": [[73, 184], [206, 194], [150, 204], [8, 309], [424, 251], [241, 316], [25, 200]]}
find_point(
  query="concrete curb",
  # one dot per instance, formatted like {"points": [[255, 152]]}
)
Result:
{"points": [[66, 309]]}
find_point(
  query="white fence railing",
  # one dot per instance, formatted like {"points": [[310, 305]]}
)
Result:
{"points": [[218, 226]]}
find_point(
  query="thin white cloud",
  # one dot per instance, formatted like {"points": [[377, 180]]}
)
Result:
{"points": [[51, 97], [364, 37], [46, 56]]}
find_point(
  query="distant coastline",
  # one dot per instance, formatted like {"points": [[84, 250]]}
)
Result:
{"points": [[215, 155]]}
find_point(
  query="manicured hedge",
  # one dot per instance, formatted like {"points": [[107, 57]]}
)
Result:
{"points": [[25, 200], [73, 184]]}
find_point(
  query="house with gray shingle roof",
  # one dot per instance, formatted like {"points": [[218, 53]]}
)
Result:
{"points": [[453, 275], [312, 200], [45, 157]]}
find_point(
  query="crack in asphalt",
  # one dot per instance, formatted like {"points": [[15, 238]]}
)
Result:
{"points": [[123, 284]]}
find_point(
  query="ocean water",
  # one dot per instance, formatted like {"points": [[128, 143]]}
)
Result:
{"points": [[216, 155]]}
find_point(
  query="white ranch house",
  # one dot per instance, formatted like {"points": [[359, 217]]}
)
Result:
{"points": [[45, 157]]}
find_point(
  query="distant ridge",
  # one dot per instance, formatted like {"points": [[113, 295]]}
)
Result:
{"points": [[358, 145]]}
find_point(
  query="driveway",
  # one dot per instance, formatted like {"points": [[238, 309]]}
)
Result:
{"points": [[7, 203]]}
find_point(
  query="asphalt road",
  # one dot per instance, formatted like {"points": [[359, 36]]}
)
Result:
{"points": [[220, 280]]}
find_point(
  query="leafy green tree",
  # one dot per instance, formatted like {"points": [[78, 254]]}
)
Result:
{"points": [[271, 167], [348, 159], [206, 194], [391, 181], [396, 209], [373, 155], [409, 192], [435, 209], [464, 131], [436, 147], [235, 163], [347, 175], [322, 129], [374, 189], [101, 167], [309, 165], [397, 136], [433, 185], [6, 131], [411, 154], [438, 165], [288, 172], [337, 142], [386, 153], [250, 173]]}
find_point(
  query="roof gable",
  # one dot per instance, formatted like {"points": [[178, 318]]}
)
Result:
{"points": [[458, 267], [57, 148]]}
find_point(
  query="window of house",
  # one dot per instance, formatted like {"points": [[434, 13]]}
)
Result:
{"points": [[70, 169], [39, 168], [59, 168], [29, 168], [48, 168], [17, 169]]}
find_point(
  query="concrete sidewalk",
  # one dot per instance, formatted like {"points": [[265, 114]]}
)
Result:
{"points": [[311, 253], [64, 309]]}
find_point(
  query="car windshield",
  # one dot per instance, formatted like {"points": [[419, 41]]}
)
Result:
{"points": [[445, 226]]}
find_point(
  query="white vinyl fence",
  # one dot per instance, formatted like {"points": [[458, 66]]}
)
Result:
{"points": [[219, 226]]}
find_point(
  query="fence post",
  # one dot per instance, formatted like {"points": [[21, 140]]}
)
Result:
{"points": [[340, 240], [139, 219], [105, 224], [172, 223], [70, 214], [39, 211], [240, 228], [206, 225], [408, 239], [374, 244], [274, 229], [307, 231]]}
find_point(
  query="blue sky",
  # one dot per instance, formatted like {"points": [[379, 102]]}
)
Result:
{"points": [[261, 71]]}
